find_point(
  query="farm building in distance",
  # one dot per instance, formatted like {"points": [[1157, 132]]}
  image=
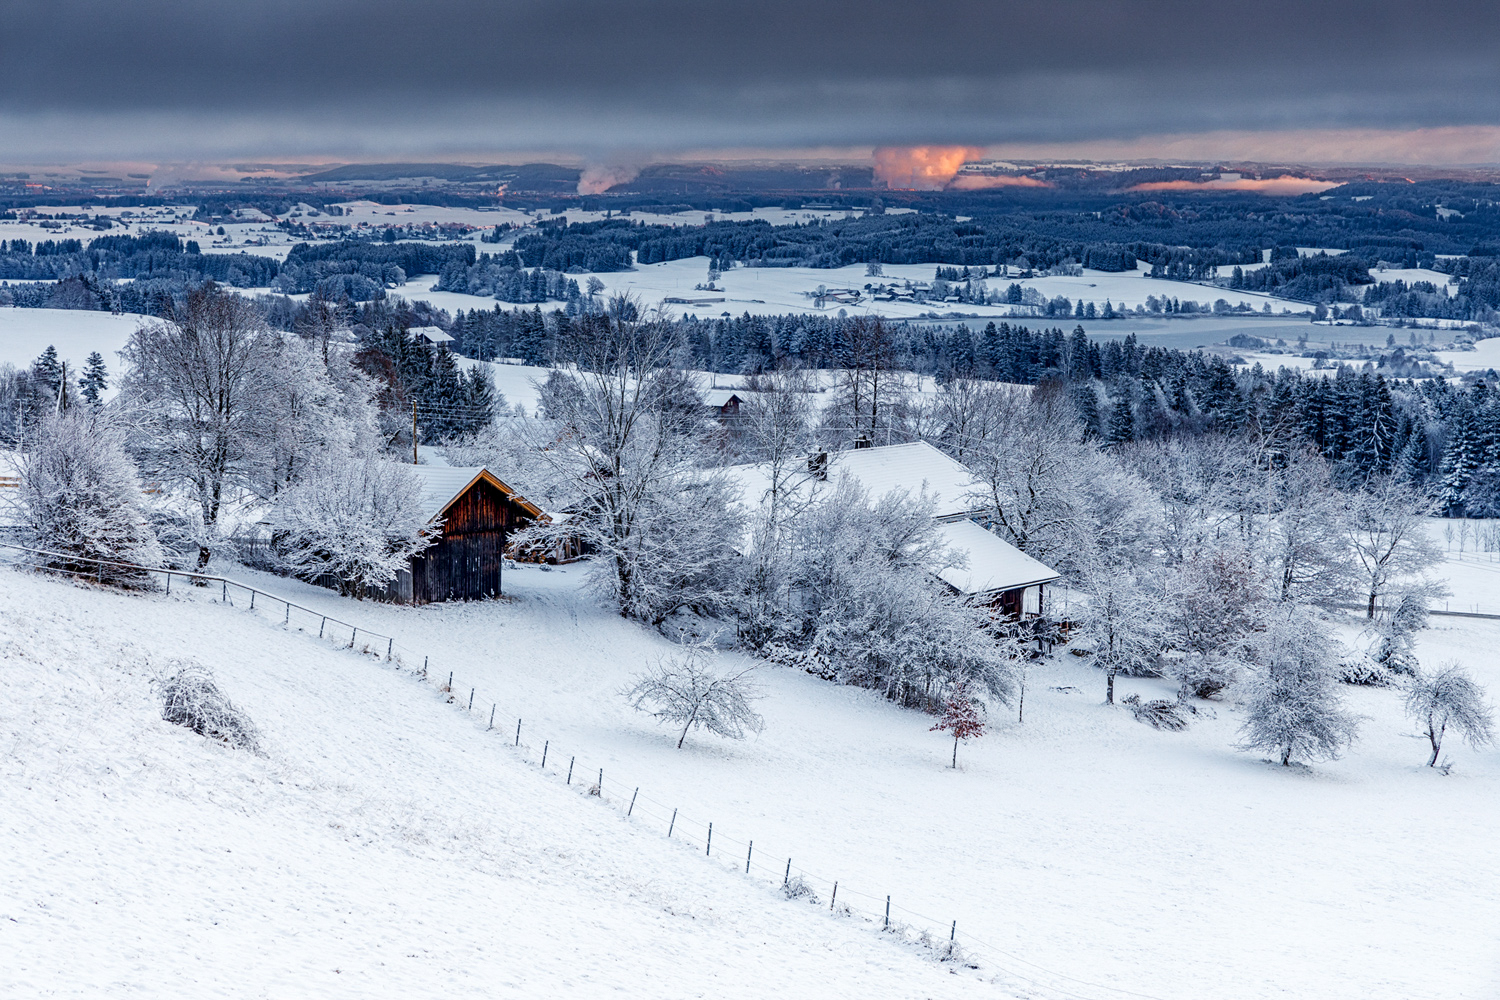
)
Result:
{"points": [[995, 573]]}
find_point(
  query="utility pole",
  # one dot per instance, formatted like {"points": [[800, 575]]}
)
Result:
{"points": [[414, 432]]}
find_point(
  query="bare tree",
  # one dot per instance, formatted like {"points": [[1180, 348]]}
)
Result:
{"points": [[198, 380], [1386, 531], [621, 443], [684, 690], [1449, 698]]}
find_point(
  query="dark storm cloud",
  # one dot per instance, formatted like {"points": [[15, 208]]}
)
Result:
{"points": [[209, 76]]}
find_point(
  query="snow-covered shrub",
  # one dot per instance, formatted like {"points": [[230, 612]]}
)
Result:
{"points": [[360, 522], [190, 697], [1360, 669], [1449, 699], [1157, 713], [81, 497], [1396, 636], [1294, 705], [867, 610], [797, 887], [1204, 676], [685, 690]]}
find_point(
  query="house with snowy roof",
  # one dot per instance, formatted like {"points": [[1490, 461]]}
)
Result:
{"points": [[993, 572]]}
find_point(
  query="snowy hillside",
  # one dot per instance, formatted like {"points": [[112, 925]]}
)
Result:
{"points": [[390, 830], [382, 847]]}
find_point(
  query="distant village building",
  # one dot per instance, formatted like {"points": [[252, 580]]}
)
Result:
{"points": [[432, 336]]}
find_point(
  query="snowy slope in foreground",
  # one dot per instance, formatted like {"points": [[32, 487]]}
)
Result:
{"points": [[385, 847], [1168, 865]]}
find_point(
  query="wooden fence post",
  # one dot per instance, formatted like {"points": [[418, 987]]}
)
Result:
{"points": [[632, 802], [673, 825], [748, 853]]}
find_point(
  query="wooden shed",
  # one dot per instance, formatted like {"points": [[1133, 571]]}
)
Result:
{"points": [[478, 513]]}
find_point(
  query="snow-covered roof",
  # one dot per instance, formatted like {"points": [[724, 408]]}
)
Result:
{"points": [[443, 484], [431, 334], [908, 467], [878, 470], [718, 397], [993, 563]]}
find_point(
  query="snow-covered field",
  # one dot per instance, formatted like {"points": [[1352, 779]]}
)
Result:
{"points": [[383, 826], [382, 847], [772, 290], [25, 333]]}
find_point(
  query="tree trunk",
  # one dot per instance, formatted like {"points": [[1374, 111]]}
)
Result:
{"points": [[1370, 609], [1435, 737], [1286, 757], [955, 753], [1109, 691]]}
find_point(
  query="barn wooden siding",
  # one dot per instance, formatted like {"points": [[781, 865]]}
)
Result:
{"points": [[466, 562]]}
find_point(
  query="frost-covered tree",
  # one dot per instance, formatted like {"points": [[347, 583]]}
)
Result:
{"points": [[1123, 621], [199, 382], [775, 430], [1294, 707], [620, 442], [867, 609], [962, 717], [1052, 494], [359, 521], [1447, 699], [686, 690], [1304, 548], [1396, 634], [1386, 533], [80, 496]]}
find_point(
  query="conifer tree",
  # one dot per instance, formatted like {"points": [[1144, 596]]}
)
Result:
{"points": [[95, 380]]}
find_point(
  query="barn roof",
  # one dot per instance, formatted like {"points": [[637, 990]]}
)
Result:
{"points": [[994, 564], [443, 484]]}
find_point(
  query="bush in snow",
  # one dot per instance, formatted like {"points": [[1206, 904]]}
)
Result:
{"points": [[1204, 676], [80, 497], [684, 690], [797, 887], [1157, 713], [358, 521], [1397, 635], [1449, 699], [191, 698], [1294, 705]]}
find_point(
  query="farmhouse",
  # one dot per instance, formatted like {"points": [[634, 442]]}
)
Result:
{"points": [[478, 513], [994, 572]]}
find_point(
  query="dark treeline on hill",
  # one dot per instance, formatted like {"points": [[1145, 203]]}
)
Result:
{"points": [[1442, 435]]}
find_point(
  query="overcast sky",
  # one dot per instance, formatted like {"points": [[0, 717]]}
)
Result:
{"points": [[374, 79]]}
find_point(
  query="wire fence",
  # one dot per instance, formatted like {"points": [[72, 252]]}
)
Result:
{"points": [[773, 865]]}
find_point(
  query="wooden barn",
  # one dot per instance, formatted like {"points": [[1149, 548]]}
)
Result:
{"points": [[479, 513]]}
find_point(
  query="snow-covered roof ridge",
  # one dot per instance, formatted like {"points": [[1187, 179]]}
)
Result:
{"points": [[909, 467], [443, 484]]}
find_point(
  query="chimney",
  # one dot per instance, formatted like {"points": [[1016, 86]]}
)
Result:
{"points": [[817, 465], [863, 441]]}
